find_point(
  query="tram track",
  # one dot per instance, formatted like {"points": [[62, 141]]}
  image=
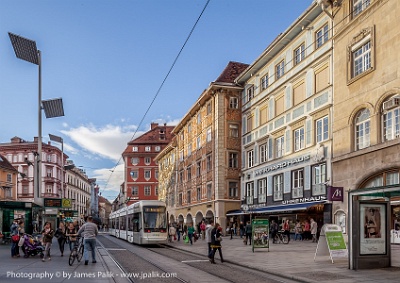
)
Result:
{"points": [[135, 258]]}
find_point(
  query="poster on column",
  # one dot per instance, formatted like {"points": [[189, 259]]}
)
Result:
{"points": [[372, 228]]}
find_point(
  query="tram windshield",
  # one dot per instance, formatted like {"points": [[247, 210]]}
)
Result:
{"points": [[154, 218]]}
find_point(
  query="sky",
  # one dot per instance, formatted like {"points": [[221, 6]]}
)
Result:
{"points": [[121, 65]]}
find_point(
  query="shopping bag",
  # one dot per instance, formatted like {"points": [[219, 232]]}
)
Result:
{"points": [[186, 240]]}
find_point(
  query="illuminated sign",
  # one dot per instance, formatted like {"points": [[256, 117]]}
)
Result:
{"points": [[52, 202], [66, 202], [159, 209]]}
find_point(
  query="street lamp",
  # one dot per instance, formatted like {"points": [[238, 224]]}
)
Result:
{"points": [[26, 50], [60, 140]]}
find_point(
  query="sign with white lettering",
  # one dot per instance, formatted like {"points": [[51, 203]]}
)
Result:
{"points": [[282, 165], [335, 193]]}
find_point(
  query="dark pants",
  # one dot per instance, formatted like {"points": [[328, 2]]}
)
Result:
{"points": [[248, 237], [287, 233], [190, 238], [179, 234], [212, 254], [273, 234], [61, 243], [209, 249]]}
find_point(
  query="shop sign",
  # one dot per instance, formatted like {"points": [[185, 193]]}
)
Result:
{"points": [[335, 193], [52, 202], [282, 165], [331, 242], [304, 200]]}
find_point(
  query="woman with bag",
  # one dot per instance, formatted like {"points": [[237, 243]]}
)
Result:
{"points": [[14, 238], [47, 238], [216, 243], [21, 231]]}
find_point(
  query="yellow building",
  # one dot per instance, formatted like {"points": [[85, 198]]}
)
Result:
{"points": [[366, 128]]}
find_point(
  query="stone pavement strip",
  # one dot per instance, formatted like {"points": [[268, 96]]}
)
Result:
{"points": [[296, 261]]}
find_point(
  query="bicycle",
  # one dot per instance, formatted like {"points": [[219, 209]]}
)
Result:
{"points": [[281, 238], [77, 251]]}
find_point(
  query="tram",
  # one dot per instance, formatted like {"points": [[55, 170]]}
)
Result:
{"points": [[143, 223]]}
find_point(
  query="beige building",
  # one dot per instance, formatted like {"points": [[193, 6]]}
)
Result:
{"points": [[286, 128], [366, 127], [200, 170]]}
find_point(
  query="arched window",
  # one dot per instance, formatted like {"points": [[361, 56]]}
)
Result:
{"points": [[362, 129], [340, 219]]}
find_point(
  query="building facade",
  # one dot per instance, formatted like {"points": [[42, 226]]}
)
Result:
{"points": [[141, 170], [8, 194], [366, 129], [286, 124], [201, 168]]}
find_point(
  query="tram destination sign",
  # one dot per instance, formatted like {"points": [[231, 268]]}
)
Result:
{"points": [[52, 202]]}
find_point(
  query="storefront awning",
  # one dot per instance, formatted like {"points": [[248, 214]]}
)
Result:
{"points": [[286, 207], [236, 212]]}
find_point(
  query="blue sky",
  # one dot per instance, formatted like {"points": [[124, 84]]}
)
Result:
{"points": [[108, 59]]}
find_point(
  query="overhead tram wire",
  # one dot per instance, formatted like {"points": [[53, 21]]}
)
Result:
{"points": [[161, 86]]}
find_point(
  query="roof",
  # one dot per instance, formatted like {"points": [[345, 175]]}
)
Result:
{"points": [[153, 136], [6, 165], [231, 72]]}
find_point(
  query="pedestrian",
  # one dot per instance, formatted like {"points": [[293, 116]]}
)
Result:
{"points": [[231, 230], [314, 229], [203, 229], [306, 231], [71, 234], [60, 235], [298, 231], [89, 232], [190, 232], [286, 229], [216, 243], [248, 230], [21, 231], [273, 230], [209, 228], [241, 230], [14, 231], [47, 238], [179, 230]]}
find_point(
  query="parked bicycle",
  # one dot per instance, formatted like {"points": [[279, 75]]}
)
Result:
{"points": [[281, 238], [77, 251]]}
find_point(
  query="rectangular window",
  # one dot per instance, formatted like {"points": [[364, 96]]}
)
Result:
{"points": [[322, 35], [280, 146], [233, 103], [189, 173], [189, 128], [279, 105], [391, 124], [280, 69], [209, 162], [299, 140], [233, 160], [156, 190], [361, 59], [359, 6], [188, 196], [262, 187], [147, 160], [209, 191], [135, 191], [297, 183], [250, 158], [199, 118], [9, 178], [263, 153], [198, 169], [233, 190], [134, 174], [277, 183], [319, 179], [209, 136], [249, 123], [180, 199], [147, 190], [249, 192], [189, 149], [198, 194], [264, 81], [233, 130], [299, 54], [208, 108], [250, 93], [147, 174], [198, 142], [322, 130], [299, 93], [263, 115], [147, 148]]}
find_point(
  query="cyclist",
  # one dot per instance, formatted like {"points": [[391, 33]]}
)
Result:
{"points": [[89, 231]]}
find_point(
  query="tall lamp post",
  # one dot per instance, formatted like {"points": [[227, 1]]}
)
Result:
{"points": [[26, 50]]}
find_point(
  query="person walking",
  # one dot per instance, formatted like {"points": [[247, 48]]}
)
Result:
{"points": [[60, 235], [241, 230], [248, 230], [231, 230], [21, 231], [298, 231], [306, 231], [89, 232], [190, 232], [314, 229], [71, 234], [274, 230], [179, 230], [216, 243], [203, 229], [209, 228], [286, 229], [47, 238], [14, 244]]}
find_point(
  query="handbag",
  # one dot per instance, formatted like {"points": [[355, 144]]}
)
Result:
{"points": [[15, 238], [21, 241]]}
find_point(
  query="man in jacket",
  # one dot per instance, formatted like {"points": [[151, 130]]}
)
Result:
{"points": [[248, 229], [89, 232]]}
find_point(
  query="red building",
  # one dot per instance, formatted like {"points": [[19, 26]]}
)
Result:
{"points": [[141, 170]]}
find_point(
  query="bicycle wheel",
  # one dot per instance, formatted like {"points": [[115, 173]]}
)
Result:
{"points": [[285, 239], [80, 253], [72, 258]]}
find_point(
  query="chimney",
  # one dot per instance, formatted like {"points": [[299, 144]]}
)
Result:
{"points": [[154, 125]]}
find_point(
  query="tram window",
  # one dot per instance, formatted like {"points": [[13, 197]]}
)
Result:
{"points": [[154, 217], [130, 222], [117, 223], [123, 221], [136, 222]]}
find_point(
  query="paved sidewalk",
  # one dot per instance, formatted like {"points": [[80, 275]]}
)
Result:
{"points": [[296, 261], [16, 270]]}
